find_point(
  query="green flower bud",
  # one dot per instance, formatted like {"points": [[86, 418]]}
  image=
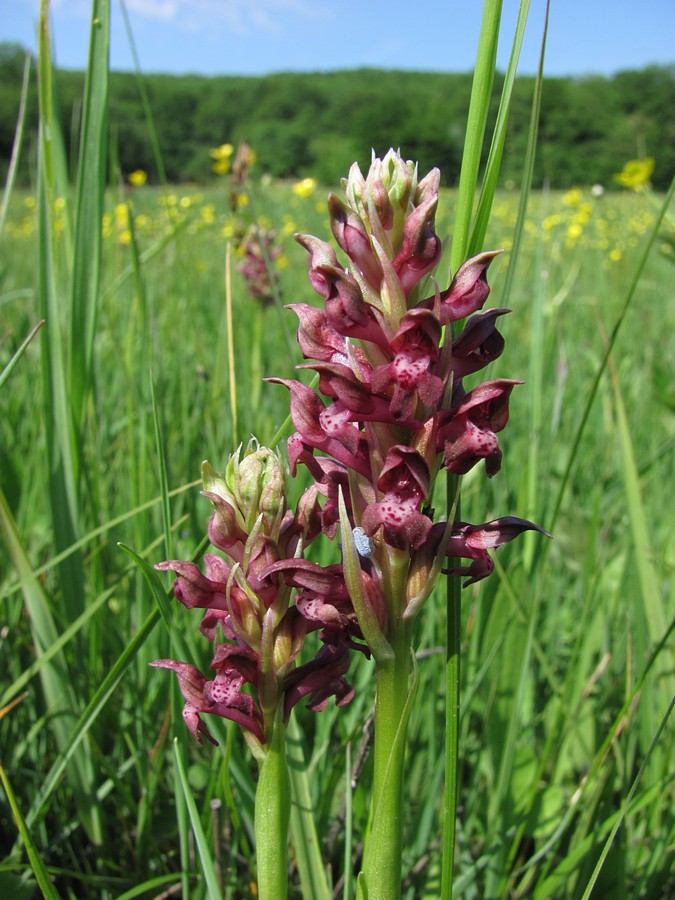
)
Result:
{"points": [[260, 485], [398, 176], [253, 485], [228, 526], [384, 198], [288, 640]]}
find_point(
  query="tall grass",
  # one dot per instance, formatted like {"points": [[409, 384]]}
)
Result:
{"points": [[565, 782]]}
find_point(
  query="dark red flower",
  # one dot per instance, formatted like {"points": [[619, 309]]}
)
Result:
{"points": [[474, 541], [467, 433], [328, 429], [416, 350], [404, 483], [221, 697], [468, 290], [478, 345]]}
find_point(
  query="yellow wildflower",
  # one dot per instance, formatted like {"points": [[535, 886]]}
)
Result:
{"points": [[574, 231], [221, 166], [635, 174], [138, 178], [305, 188], [573, 197], [221, 156], [225, 151], [242, 199]]}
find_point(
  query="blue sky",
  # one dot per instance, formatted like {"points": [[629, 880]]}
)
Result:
{"points": [[260, 36]]}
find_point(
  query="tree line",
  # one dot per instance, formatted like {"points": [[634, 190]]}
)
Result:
{"points": [[317, 124]]}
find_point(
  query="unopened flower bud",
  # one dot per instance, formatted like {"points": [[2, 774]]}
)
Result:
{"points": [[288, 640], [398, 177], [261, 489]]}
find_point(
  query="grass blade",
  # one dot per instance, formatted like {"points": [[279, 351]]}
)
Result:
{"points": [[528, 168], [6, 372], [57, 685], [60, 443], [16, 146], [481, 92], [163, 477], [91, 181], [89, 715], [203, 848], [97, 532], [313, 881], [498, 138], [145, 100], [626, 803], [231, 366], [37, 865], [652, 595]]}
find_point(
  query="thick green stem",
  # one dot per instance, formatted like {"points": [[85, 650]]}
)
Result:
{"points": [[381, 875], [272, 814]]}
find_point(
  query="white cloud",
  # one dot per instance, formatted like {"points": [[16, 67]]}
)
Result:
{"points": [[160, 10], [241, 16]]}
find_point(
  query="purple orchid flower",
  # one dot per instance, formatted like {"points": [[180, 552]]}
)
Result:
{"points": [[246, 601]]}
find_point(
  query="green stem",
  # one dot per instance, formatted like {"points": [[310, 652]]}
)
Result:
{"points": [[272, 814], [380, 878], [452, 675]]}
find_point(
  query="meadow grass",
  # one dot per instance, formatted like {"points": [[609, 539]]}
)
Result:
{"points": [[562, 697]]}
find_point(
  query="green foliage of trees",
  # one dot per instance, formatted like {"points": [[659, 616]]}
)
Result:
{"points": [[318, 123]]}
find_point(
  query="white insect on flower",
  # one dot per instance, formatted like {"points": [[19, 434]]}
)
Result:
{"points": [[365, 546]]}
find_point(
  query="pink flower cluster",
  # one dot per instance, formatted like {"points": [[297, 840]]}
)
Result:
{"points": [[247, 601], [396, 408]]}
